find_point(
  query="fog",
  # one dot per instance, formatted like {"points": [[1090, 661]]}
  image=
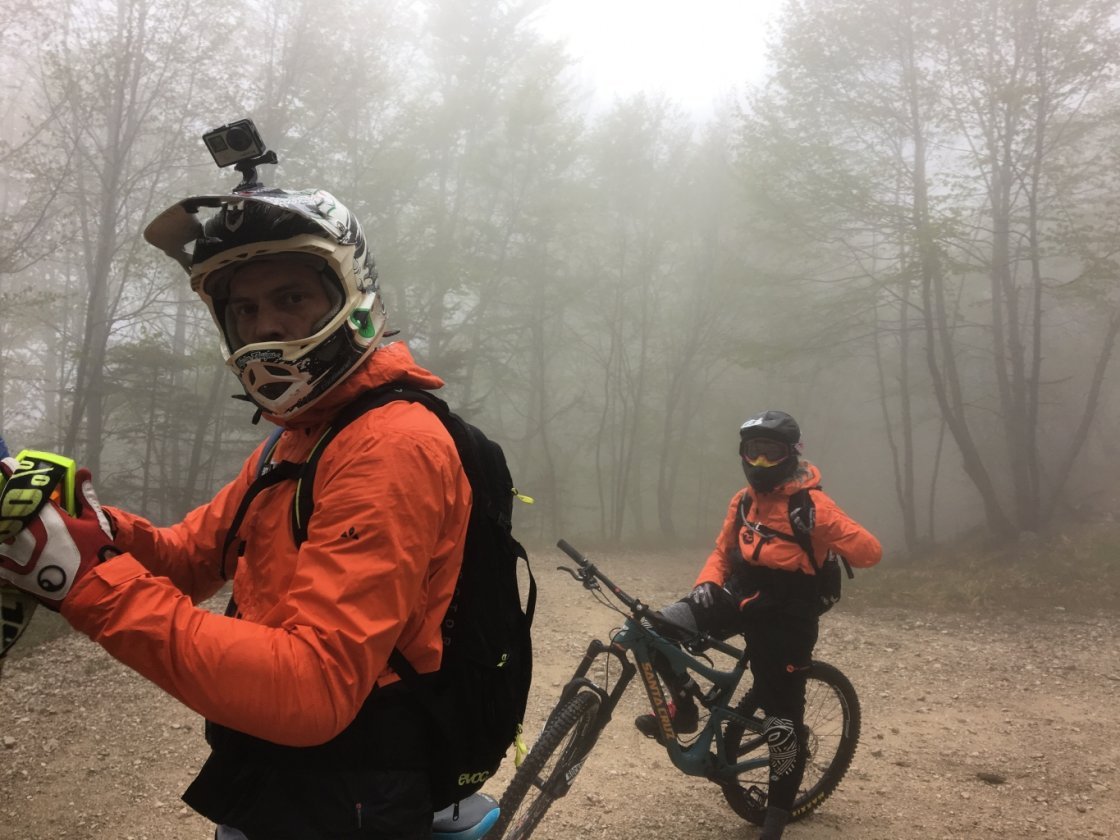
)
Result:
{"points": [[904, 234]]}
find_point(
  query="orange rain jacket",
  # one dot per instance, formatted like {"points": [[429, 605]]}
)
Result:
{"points": [[834, 530], [318, 623]]}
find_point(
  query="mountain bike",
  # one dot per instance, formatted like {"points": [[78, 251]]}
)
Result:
{"points": [[729, 750]]}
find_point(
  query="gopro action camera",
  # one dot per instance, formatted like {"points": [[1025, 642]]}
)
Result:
{"points": [[235, 143]]}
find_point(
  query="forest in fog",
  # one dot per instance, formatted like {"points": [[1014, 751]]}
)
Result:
{"points": [[906, 236]]}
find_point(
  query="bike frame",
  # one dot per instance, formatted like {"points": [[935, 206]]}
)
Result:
{"points": [[638, 641]]}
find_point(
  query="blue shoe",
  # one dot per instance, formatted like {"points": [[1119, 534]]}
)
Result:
{"points": [[466, 820]]}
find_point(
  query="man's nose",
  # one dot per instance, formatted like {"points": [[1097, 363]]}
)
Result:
{"points": [[268, 325]]}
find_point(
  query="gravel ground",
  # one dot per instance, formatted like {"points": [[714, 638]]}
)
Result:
{"points": [[1000, 724]]}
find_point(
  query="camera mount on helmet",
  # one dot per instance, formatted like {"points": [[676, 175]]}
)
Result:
{"points": [[239, 144]]}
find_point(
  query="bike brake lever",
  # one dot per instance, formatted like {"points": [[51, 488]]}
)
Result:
{"points": [[588, 581], [697, 648]]}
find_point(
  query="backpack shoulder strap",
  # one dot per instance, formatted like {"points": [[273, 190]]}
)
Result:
{"points": [[304, 504], [746, 502], [269, 473], [274, 474], [802, 520], [264, 463]]}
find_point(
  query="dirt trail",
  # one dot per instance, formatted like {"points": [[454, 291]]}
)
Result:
{"points": [[88, 750]]}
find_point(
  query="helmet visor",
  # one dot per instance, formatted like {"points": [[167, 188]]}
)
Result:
{"points": [[764, 452]]}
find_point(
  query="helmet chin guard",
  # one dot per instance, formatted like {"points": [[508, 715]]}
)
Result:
{"points": [[765, 479], [270, 380]]}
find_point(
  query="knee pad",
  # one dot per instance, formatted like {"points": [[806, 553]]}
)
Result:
{"points": [[781, 737]]}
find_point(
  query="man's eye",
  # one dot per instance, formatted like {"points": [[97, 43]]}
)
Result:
{"points": [[243, 310]]}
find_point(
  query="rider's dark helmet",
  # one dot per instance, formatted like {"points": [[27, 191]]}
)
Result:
{"points": [[769, 445]]}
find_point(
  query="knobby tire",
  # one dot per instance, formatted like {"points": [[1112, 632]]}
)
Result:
{"points": [[832, 725], [550, 768]]}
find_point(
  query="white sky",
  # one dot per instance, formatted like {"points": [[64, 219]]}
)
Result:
{"points": [[694, 51]]}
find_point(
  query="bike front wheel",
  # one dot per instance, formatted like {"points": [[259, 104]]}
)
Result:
{"points": [[830, 735], [551, 767]]}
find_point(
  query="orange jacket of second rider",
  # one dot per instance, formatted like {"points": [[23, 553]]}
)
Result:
{"points": [[834, 530], [318, 623]]}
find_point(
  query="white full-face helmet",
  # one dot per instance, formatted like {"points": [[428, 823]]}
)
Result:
{"points": [[283, 378]]}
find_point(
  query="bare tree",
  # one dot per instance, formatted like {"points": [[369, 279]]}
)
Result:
{"points": [[118, 81], [887, 116]]}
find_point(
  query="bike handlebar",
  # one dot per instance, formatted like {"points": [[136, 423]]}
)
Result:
{"points": [[590, 573], [571, 551]]}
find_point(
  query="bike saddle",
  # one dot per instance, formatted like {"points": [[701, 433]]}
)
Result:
{"points": [[469, 819]]}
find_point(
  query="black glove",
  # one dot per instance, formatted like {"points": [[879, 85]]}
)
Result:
{"points": [[803, 518], [703, 595]]}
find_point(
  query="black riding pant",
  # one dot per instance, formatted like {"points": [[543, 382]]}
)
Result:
{"points": [[781, 650], [369, 783], [371, 805]]}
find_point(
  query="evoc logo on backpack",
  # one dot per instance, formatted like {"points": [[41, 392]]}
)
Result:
{"points": [[467, 779]]}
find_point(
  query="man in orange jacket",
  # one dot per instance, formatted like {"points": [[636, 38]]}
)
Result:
{"points": [[310, 734], [760, 581]]}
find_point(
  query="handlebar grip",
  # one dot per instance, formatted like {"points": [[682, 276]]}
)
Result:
{"points": [[570, 550]]}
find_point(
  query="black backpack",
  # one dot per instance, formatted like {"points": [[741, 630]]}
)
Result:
{"points": [[477, 701], [802, 516]]}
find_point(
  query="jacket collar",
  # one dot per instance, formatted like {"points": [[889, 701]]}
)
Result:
{"points": [[388, 363]]}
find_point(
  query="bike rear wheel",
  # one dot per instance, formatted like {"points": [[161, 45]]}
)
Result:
{"points": [[832, 724], [550, 768]]}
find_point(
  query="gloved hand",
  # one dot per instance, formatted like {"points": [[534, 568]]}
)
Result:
{"points": [[803, 518], [56, 549], [703, 595]]}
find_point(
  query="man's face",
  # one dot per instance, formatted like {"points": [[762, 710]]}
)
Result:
{"points": [[275, 300]]}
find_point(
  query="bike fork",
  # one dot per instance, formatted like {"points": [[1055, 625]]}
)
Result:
{"points": [[579, 679]]}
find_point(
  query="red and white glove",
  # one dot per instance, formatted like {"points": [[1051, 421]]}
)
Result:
{"points": [[55, 549]]}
